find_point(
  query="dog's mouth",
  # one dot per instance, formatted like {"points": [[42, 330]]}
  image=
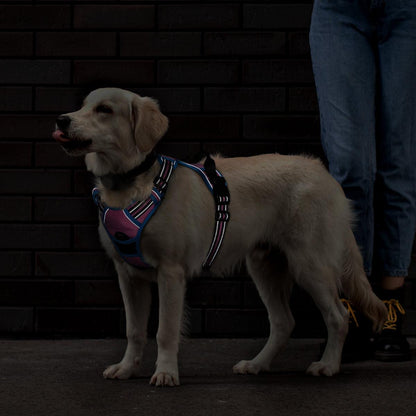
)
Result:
{"points": [[69, 143]]}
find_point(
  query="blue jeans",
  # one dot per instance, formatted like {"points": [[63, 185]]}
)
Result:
{"points": [[364, 62]]}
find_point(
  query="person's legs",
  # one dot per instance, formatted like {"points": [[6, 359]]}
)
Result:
{"points": [[392, 282], [342, 40], [344, 64], [396, 173], [396, 141]]}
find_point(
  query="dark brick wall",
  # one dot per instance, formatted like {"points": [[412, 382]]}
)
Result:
{"points": [[233, 77]]}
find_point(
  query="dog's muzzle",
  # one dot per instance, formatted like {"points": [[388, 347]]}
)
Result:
{"points": [[62, 137]]}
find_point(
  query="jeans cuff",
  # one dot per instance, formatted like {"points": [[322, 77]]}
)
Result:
{"points": [[395, 273]]}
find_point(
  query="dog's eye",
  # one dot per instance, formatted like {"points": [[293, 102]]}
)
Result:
{"points": [[103, 109]]}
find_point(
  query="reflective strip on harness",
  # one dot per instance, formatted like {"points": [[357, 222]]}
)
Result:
{"points": [[221, 220]]}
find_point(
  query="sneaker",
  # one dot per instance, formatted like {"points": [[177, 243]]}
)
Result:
{"points": [[391, 344]]}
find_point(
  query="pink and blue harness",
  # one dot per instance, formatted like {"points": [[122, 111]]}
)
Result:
{"points": [[125, 226]]}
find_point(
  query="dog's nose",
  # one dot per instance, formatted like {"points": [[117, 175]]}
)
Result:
{"points": [[63, 122]]}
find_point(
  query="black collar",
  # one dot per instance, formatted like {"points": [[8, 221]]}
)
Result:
{"points": [[119, 181]]}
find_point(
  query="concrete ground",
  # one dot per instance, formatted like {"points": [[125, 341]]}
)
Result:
{"points": [[63, 377]]}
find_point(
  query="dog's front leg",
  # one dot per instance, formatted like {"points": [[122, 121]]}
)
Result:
{"points": [[137, 299], [171, 284]]}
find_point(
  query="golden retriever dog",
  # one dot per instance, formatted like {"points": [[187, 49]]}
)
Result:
{"points": [[281, 207]]}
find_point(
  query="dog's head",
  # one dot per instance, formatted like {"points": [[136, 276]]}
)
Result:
{"points": [[115, 124]]}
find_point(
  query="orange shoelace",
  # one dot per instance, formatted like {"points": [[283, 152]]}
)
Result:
{"points": [[392, 305], [347, 303]]}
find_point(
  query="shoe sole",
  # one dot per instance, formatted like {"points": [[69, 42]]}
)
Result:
{"points": [[349, 358], [388, 357]]}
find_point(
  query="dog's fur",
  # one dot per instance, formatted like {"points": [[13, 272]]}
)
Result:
{"points": [[282, 207]]}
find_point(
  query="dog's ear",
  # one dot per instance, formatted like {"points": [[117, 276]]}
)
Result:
{"points": [[149, 124]]}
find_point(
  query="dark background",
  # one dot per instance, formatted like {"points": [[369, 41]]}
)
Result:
{"points": [[234, 77]]}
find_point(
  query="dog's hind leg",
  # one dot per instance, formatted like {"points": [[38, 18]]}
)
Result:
{"points": [[137, 299], [268, 268], [321, 285]]}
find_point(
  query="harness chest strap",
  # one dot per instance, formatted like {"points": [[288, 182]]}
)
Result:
{"points": [[131, 221], [125, 226]]}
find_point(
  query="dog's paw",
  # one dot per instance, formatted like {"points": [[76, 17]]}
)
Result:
{"points": [[247, 367], [320, 368], [121, 371], [161, 379]]}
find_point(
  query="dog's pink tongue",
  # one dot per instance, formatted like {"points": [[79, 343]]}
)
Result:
{"points": [[59, 136]]}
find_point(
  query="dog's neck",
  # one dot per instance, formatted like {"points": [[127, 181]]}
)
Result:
{"points": [[122, 181], [118, 190]]}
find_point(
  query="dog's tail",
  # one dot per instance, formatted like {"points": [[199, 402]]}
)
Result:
{"points": [[357, 288]]}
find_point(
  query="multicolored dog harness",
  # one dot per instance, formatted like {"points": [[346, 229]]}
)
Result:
{"points": [[125, 226]]}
